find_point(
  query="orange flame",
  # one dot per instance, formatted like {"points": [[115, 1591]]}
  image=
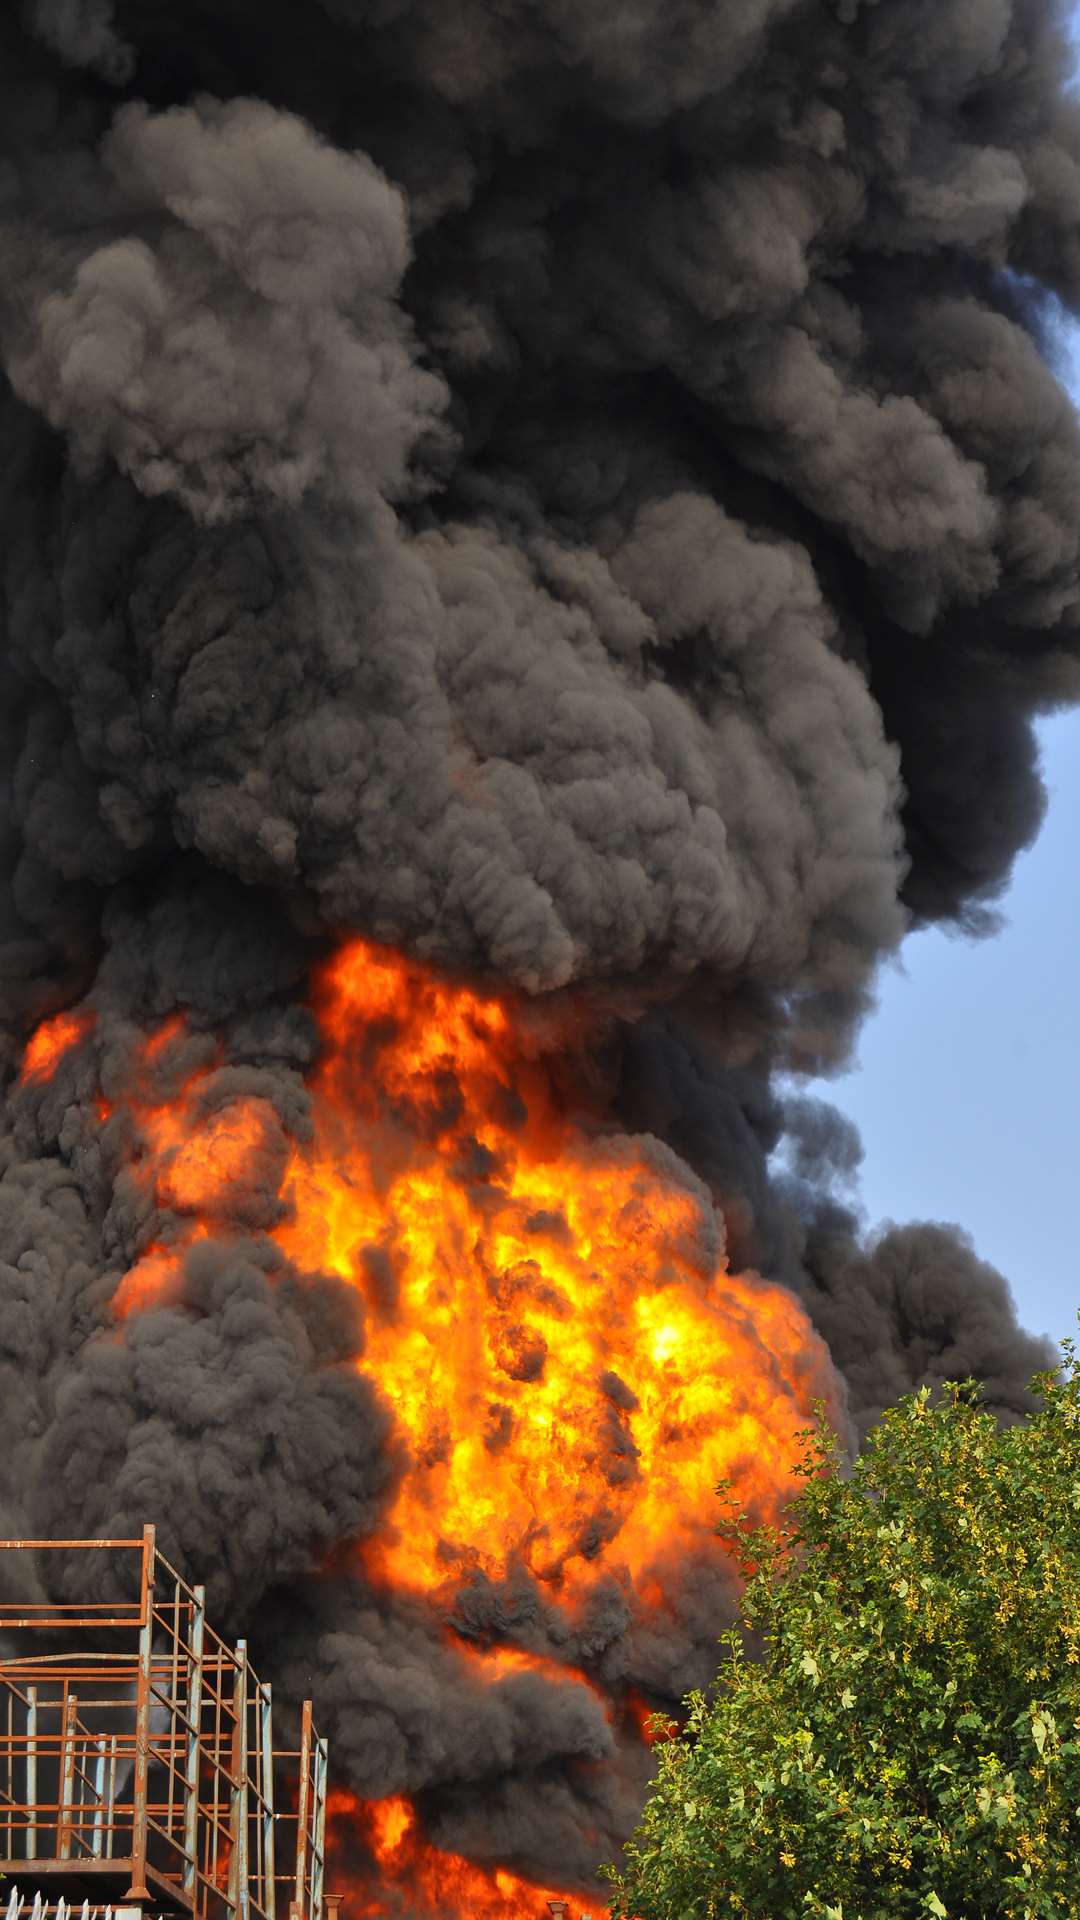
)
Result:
{"points": [[548, 1312], [573, 1366], [50, 1042], [411, 1877]]}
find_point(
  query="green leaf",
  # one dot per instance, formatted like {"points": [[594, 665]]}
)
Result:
{"points": [[936, 1907], [1038, 1731], [847, 1698]]}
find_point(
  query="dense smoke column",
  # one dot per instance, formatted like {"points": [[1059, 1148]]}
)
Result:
{"points": [[579, 493]]}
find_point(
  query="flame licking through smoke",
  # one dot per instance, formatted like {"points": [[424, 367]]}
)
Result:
{"points": [[548, 1311], [417, 1878], [50, 1042]]}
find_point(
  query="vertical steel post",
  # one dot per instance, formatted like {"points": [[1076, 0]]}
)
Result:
{"points": [[266, 1747], [67, 1778], [31, 1773], [194, 1717], [110, 1799], [138, 1890], [9, 1766], [302, 1812], [238, 1811], [99, 1798], [318, 1842]]}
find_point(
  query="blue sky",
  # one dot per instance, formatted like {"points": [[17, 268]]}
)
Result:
{"points": [[967, 1085]]}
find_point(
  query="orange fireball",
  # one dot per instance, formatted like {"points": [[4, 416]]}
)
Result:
{"points": [[548, 1312], [550, 1315]]}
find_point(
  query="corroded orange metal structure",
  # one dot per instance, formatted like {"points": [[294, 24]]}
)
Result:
{"points": [[138, 1764]]}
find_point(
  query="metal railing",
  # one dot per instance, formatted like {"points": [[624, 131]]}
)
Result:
{"points": [[143, 1766]]}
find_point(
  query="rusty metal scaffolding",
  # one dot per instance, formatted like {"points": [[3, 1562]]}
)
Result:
{"points": [[141, 1767]]}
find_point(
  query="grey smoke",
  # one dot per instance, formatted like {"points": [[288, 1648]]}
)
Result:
{"points": [[582, 494]]}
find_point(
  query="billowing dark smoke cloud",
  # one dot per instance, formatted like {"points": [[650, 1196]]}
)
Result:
{"points": [[577, 491]]}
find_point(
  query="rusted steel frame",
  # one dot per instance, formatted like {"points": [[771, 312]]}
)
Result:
{"points": [[318, 1840], [300, 1897], [102, 1660], [194, 1728], [267, 1886], [214, 1824], [98, 1832], [39, 1614], [31, 1773], [10, 1758], [96, 1544], [161, 1760], [216, 1811], [55, 1620], [94, 1787], [176, 1714], [238, 1814], [174, 1705], [174, 1875], [217, 1752], [138, 1890], [174, 1845], [67, 1766]]}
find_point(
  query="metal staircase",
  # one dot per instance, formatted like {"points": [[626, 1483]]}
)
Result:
{"points": [[138, 1764]]}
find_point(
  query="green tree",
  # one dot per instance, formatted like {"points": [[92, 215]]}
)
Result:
{"points": [[908, 1741]]}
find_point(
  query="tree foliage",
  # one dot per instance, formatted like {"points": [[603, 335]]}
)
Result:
{"points": [[908, 1743]]}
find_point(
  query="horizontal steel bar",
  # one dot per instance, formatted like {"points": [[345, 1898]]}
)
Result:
{"points": [[18, 1544]]}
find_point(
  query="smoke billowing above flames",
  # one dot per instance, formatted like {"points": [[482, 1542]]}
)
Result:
{"points": [[569, 503]]}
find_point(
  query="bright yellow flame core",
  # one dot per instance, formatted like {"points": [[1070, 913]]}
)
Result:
{"points": [[573, 1369]]}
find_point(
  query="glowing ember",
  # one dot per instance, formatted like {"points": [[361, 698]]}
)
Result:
{"points": [[50, 1042], [548, 1313]]}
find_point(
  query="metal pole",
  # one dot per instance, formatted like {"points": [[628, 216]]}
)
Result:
{"points": [[318, 1844], [266, 1742], [238, 1815], [194, 1714], [110, 1798], [31, 1773], [138, 1889], [302, 1811], [9, 1766], [99, 1798], [67, 1778]]}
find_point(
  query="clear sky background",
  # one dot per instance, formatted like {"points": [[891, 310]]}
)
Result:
{"points": [[967, 1086]]}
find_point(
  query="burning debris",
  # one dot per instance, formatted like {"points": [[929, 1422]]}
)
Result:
{"points": [[534, 541]]}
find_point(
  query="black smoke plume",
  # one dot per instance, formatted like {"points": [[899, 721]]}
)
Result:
{"points": [[578, 490]]}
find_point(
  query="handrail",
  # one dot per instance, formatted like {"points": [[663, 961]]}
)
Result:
{"points": [[153, 1763]]}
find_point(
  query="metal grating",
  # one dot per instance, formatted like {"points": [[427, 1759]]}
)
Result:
{"points": [[142, 1769]]}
